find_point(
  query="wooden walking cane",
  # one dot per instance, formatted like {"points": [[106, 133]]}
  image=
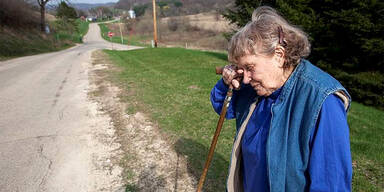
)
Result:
{"points": [[217, 132]]}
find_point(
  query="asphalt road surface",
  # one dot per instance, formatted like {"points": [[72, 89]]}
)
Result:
{"points": [[47, 122]]}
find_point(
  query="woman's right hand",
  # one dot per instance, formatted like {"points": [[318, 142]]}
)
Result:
{"points": [[230, 76]]}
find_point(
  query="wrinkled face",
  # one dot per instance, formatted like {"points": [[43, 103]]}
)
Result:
{"points": [[264, 73]]}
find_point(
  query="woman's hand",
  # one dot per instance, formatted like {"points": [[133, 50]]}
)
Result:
{"points": [[231, 76]]}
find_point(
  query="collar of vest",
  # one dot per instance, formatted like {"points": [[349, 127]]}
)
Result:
{"points": [[287, 87], [299, 69]]}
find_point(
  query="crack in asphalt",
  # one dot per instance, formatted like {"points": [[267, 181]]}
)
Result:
{"points": [[58, 92], [40, 151], [28, 138], [61, 112]]}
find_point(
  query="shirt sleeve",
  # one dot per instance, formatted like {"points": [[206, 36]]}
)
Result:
{"points": [[330, 161], [218, 94]]}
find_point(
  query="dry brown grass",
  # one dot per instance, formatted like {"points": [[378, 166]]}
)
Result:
{"points": [[205, 21], [17, 13], [50, 17], [201, 31]]}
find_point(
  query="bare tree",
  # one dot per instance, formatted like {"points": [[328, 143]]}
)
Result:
{"points": [[42, 4]]}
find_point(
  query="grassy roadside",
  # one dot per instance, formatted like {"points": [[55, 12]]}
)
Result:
{"points": [[72, 31], [135, 40], [16, 43], [172, 85], [83, 28]]}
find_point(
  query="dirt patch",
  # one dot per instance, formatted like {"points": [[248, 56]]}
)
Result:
{"points": [[149, 160]]}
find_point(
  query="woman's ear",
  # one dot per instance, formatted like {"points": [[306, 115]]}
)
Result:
{"points": [[280, 55]]}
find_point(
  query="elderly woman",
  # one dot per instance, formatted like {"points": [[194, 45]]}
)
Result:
{"points": [[292, 132]]}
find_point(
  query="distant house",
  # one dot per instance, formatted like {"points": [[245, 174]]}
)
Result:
{"points": [[91, 19], [131, 14]]}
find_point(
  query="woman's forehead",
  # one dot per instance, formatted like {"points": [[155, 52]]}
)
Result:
{"points": [[251, 58], [245, 61]]}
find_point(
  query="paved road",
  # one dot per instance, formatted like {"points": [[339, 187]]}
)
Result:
{"points": [[46, 120]]}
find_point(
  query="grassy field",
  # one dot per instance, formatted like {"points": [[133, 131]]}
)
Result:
{"points": [[173, 85], [127, 39]]}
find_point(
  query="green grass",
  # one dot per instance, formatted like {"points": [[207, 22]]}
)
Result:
{"points": [[69, 31], [135, 40], [367, 136], [83, 27], [173, 85], [29, 43], [2, 58], [103, 19]]}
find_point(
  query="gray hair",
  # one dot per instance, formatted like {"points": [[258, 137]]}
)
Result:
{"points": [[264, 33]]}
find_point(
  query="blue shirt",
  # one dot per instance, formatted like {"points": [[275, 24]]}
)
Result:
{"points": [[330, 166]]}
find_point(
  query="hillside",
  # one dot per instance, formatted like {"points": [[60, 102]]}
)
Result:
{"points": [[87, 6], [198, 31], [15, 42], [204, 21], [20, 33], [179, 7]]}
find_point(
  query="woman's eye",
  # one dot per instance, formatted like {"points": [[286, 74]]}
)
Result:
{"points": [[249, 68]]}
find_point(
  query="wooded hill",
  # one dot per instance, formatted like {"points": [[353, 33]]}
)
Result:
{"points": [[87, 6], [177, 7]]}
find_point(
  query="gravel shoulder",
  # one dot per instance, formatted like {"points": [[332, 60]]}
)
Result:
{"points": [[147, 159]]}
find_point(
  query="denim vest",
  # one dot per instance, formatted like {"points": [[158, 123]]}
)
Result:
{"points": [[294, 115]]}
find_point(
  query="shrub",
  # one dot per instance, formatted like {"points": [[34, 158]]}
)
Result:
{"points": [[364, 87], [140, 9], [144, 24], [173, 23], [188, 26], [65, 26], [66, 12]]}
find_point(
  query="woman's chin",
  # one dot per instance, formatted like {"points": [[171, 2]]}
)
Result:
{"points": [[261, 92]]}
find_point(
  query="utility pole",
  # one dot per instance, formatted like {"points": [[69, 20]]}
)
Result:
{"points": [[121, 33], [154, 23]]}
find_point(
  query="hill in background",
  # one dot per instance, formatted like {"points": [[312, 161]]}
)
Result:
{"points": [[87, 6], [178, 7]]}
